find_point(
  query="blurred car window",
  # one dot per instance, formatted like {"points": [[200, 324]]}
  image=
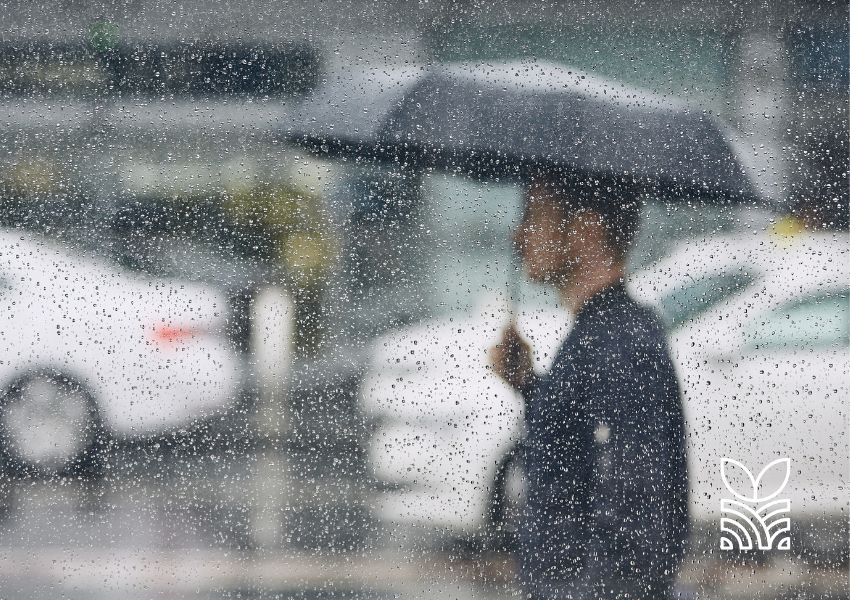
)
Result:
{"points": [[470, 226], [689, 301], [815, 321]]}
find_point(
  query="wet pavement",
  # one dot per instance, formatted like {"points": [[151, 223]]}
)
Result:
{"points": [[260, 524], [269, 523]]}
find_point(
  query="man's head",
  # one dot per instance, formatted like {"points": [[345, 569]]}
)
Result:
{"points": [[572, 226]]}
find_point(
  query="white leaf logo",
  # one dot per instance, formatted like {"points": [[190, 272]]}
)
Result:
{"points": [[754, 518], [755, 493]]}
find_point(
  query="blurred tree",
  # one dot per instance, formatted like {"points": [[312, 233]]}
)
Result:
{"points": [[296, 233], [36, 195]]}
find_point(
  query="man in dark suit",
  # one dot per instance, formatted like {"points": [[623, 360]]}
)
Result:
{"points": [[607, 503]]}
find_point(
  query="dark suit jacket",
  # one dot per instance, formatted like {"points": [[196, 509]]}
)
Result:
{"points": [[605, 453]]}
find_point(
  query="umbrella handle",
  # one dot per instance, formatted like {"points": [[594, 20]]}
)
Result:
{"points": [[513, 288]]}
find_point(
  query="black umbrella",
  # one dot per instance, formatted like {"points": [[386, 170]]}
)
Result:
{"points": [[505, 119]]}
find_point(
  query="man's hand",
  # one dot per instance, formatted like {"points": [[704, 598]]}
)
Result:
{"points": [[511, 358]]}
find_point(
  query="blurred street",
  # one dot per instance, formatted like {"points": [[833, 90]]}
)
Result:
{"points": [[177, 525], [181, 524]]}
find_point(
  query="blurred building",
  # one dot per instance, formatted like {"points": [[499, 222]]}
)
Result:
{"points": [[778, 70], [157, 120]]}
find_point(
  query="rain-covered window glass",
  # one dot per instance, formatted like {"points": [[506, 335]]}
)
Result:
{"points": [[443, 299]]}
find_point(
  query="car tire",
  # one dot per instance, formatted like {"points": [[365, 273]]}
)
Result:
{"points": [[506, 502], [49, 426]]}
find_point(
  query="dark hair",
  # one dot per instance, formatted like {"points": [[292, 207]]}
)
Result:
{"points": [[615, 200]]}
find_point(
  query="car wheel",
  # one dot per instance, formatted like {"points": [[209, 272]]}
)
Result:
{"points": [[507, 502], [48, 424]]}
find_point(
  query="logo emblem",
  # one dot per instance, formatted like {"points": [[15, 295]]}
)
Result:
{"points": [[755, 518]]}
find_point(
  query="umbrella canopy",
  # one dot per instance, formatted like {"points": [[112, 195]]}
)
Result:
{"points": [[505, 119]]}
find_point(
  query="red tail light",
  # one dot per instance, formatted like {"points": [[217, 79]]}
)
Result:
{"points": [[171, 336]]}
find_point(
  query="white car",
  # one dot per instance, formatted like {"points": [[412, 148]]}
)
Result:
{"points": [[758, 328], [88, 349]]}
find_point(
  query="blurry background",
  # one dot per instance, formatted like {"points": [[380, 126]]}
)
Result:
{"points": [[262, 296]]}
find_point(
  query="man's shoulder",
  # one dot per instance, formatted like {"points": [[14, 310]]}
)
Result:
{"points": [[627, 323]]}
